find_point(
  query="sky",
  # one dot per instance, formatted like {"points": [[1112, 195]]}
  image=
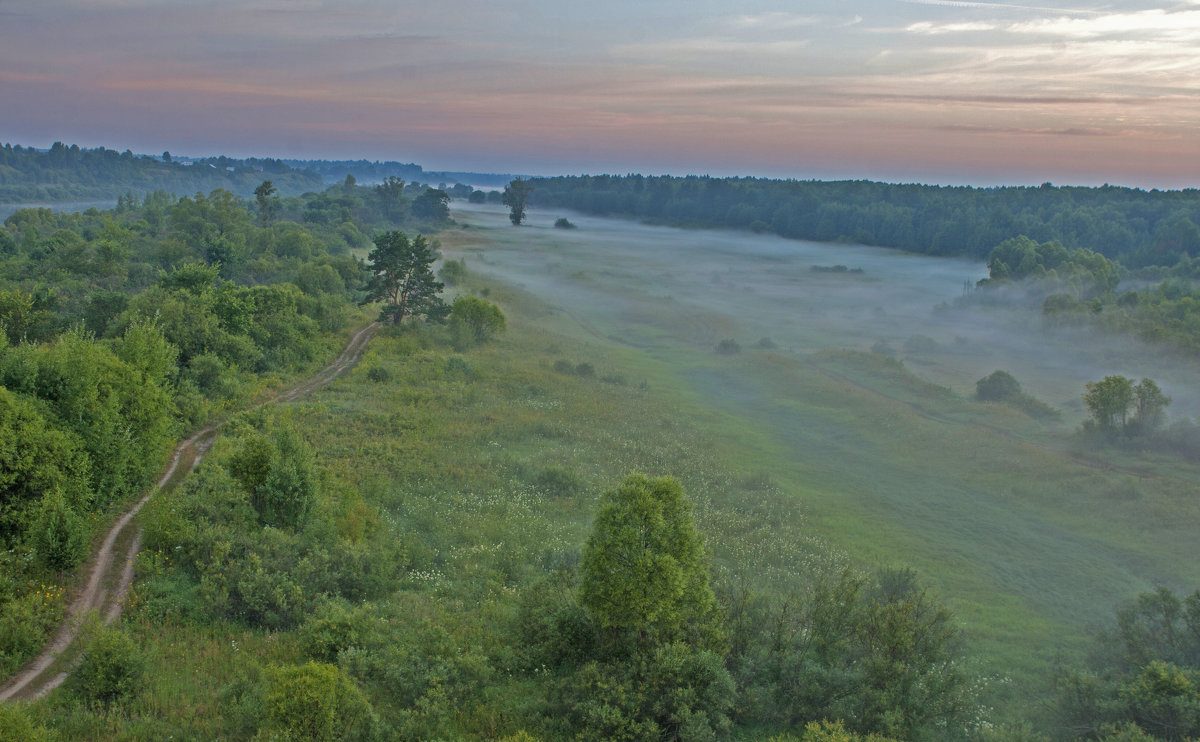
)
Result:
{"points": [[931, 91]]}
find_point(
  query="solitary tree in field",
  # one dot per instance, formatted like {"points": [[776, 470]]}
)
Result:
{"points": [[401, 277], [515, 195]]}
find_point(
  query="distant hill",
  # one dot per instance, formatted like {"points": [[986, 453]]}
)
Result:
{"points": [[70, 173], [369, 172]]}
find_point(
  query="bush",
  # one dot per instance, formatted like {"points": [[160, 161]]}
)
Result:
{"points": [[586, 370], [379, 374], [314, 702], [60, 535], [563, 223], [112, 668], [999, 386], [728, 347], [475, 320], [453, 272], [558, 482]]}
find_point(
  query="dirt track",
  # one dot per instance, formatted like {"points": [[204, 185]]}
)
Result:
{"points": [[109, 578]]}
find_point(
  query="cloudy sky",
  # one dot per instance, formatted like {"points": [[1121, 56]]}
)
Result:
{"points": [[938, 91]]}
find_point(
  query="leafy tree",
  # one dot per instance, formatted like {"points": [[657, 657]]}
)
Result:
{"points": [[645, 578], [476, 319], [432, 206], [390, 196], [1149, 405], [401, 276], [1108, 401], [516, 193]]}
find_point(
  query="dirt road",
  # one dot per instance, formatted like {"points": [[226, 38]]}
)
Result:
{"points": [[110, 571]]}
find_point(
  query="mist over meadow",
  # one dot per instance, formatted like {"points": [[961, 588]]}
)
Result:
{"points": [[649, 284]]}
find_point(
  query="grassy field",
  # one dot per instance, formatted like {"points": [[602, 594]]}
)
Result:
{"points": [[1032, 541]]}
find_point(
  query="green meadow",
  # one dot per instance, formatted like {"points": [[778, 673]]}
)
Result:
{"points": [[1031, 538]]}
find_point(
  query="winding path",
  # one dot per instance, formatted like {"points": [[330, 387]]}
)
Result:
{"points": [[111, 570]]}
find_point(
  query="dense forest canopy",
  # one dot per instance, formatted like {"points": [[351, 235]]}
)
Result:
{"points": [[1138, 228], [66, 173]]}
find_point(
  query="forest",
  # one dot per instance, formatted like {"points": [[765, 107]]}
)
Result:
{"points": [[499, 526]]}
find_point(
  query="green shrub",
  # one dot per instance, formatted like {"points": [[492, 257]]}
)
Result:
{"points": [[586, 370], [558, 481], [379, 374], [314, 702], [728, 347], [112, 668], [453, 272], [999, 386], [563, 223], [457, 366], [59, 534]]}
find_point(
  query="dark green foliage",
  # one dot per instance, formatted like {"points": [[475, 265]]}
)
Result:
{"points": [[58, 533], [401, 277], [555, 631], [586, 370], [1147, 674], [879, 654], [432, 206], [999, 386], [1083, 273], [278, 475], [335, 627], [1137, 227], [563, 223], [728, 347], [379, 374], [67, 173], [558, 481], [112, 668]]}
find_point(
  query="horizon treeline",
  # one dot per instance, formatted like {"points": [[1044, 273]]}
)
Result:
{"points": [[69, 172], [1135, 227]]}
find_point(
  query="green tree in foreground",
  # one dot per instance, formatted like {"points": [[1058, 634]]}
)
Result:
{"points": [[401, 277], [515, 195], [645, 570]]}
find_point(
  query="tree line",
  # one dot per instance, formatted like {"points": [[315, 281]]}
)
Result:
{"points": [[1137, 227]]}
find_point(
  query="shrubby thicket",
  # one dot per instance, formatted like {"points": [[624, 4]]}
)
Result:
{"points": [[120, 329]]}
